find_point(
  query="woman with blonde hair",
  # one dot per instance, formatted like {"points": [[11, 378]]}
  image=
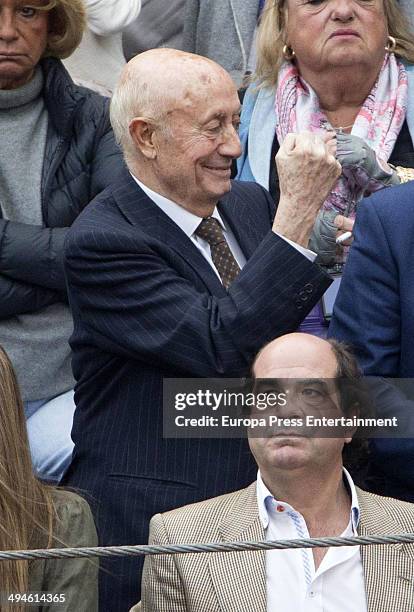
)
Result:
{"points": [[338, 66], [34, 515], [57, 153]]}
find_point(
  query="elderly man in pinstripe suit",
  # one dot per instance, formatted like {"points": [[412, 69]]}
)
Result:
{"points": [[178, 272], [302, 490]]}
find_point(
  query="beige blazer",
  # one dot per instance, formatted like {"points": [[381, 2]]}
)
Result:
{"points": [[232, 582]]}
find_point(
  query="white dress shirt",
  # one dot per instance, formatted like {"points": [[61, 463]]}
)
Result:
{"points": [[189, 222], [292, 583]]}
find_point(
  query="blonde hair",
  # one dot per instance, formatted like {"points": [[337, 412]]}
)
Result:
{"points": [[271, 38], [67, 22], [26, 509]]}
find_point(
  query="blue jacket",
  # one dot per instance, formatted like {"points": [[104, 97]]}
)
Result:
{"points": [[375, 304], [374, 314], [258, 125]]}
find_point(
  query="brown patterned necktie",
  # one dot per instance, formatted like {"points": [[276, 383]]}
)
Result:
{"points": [[211, 231]]}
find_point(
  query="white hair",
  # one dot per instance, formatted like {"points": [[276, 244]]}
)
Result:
{"points": [[133, 97], [143, 91]]}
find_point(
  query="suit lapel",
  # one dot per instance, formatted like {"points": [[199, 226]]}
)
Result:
{"points": [[388, 569], [239, 578], [238, 215], [143, 213]]}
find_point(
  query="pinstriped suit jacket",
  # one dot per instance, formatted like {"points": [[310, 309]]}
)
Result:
{"points": [[233, 582], [147, 305]]}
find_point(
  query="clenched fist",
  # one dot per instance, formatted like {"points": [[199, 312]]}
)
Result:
{"points": [[307, 172]]}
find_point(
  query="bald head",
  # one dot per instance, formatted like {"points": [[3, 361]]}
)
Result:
{"points": [[172, 74], [157, 82], [176, 116], [311, 372], [296, 356]]}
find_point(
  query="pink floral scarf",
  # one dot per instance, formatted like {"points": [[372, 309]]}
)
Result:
{"points": [[379, 121]]}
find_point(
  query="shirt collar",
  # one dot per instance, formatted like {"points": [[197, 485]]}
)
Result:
{"points": [[185, 220], [264, 497]]}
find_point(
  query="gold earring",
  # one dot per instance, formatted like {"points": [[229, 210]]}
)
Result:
{"points": [[392, 45], [288, 53]]}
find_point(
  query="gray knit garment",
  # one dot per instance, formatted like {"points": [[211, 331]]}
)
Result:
{"points": [[37, 343]]}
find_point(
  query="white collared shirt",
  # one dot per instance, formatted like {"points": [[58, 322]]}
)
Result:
{"points": [[292, 583], [189, 222]]}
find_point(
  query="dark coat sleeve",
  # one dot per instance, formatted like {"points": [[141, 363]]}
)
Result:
{"points": [[17, 297], [367, 310], [133, 302], [367, 316], [33, 254], [107, 161]]}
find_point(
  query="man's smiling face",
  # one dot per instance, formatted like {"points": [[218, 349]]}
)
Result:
{"points": [[195, 152]]}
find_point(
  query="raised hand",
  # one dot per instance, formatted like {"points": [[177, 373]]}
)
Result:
{"points": [[307, 172]]}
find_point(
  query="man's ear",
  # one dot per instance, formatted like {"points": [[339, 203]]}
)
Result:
{"points": [[354, 412], [142, 132]]}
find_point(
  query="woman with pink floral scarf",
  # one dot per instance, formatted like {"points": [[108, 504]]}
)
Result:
{"points": [[338, 66]]}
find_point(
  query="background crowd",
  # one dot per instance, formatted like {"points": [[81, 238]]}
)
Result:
{"points": [[168, 218]]}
